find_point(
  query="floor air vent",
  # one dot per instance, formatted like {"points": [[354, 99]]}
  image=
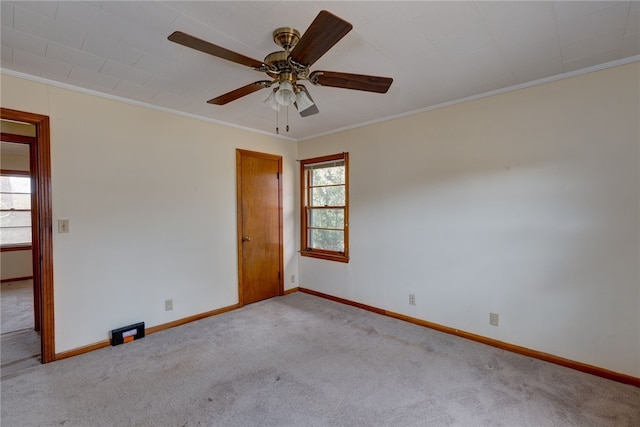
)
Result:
{"points": [[127, 333]]}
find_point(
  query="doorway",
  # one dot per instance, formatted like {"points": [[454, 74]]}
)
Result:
{"points": [[41, 232], [19, 337], [260, 238]]}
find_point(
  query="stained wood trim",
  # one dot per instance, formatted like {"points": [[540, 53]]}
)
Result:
{"points": [[579, 366], [169, 325], [343, 301], [22, 139], [16, 279], [14, 172], [148, 331], [290, 291], [281, 228], [325, 255], [239, 225], [15, 248], [305, 195], [81, 350], [42, 234], [323, 159]]}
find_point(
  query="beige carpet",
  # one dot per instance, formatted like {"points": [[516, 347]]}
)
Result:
{"points": [[19, 343], [16, 305], [300, 360]]}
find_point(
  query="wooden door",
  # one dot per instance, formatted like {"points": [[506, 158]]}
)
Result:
{"points": [[260, 251]]}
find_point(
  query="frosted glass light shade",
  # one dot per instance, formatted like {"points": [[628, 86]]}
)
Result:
{"points": [[271, 100], [285, 95], [303, 101]]}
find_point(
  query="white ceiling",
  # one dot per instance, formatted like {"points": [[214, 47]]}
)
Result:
{"points": [[436, 52]]}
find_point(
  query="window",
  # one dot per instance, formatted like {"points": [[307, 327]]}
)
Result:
{"points": [[15, 209], [324, 183]]}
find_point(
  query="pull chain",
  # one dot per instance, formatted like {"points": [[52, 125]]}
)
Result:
{"points": [[278, 120]]}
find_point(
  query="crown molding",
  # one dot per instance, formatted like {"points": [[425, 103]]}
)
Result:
{"points": [[538, 82], [86, 91]]}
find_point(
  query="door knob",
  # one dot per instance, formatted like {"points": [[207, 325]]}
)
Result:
{"points": [[246, 239]]}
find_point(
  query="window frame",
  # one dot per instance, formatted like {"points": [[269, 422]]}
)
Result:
{"points": [[20, 246], [305, 250]]}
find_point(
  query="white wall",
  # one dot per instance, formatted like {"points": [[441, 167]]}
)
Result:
{"points": [[151, 200], [14, 162], [25, 129], [525, 204], [15, 265]]}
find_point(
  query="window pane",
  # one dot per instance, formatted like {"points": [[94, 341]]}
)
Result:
{"points": [[328, 196], [15, 219], [331, 240], [327, 176], [326, 218], [325, 203], [15, 201], [9, 236], [15, 193], [15, 184]]}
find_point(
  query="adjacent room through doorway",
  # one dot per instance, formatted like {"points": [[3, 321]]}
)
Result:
{"points": [[19, 331]]}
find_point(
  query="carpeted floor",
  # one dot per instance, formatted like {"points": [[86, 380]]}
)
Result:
{"points": [[16, 305], [19, 343], [300, 360], [19, 350]]}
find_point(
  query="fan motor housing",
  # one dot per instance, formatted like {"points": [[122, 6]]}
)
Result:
{"points": [[277, 62], [286, 37]]}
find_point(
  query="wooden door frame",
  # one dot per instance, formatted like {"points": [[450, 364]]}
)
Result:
{"points": [[239, 154], [42, 234]]}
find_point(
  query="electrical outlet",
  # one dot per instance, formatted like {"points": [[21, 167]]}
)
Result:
{"points": [[494, 319], [412, 299], [293, 278], [168, 304]]}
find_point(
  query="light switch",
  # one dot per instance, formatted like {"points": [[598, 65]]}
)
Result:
{"points": [[63, 226]]}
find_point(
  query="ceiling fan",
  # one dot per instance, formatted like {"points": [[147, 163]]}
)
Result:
{"points": [[291, 65]]}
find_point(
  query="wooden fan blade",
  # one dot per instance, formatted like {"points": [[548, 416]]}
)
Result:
{"points": [[351, 81], [311, 110], [210, 48], [240, 92], [324, 32]]}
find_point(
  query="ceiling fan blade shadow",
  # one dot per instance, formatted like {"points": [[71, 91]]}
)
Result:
{"points": [[308, 111], [324, 32], [351, 81], [212, 49], [240, 92]]}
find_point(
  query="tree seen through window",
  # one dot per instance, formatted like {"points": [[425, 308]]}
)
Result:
{"points": [[325, 206]]}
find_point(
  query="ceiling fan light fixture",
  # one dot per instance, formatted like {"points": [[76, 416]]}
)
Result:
{"points": [[303, 101], [289, 66], [285, 95], [271, 100]]}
